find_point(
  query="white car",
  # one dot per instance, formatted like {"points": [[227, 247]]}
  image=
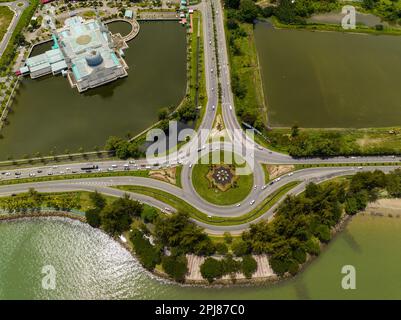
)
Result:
{"points": [[114, 166], [32, 174], [290, 174], [252, 202], [360, 168], [264, 187], [213, 107], [255, 187], [231, 107], [238, 205], [110, 169]]}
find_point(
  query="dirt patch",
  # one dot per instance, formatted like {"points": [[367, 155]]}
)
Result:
{"points": [[366, 140], [278, 170], [384, 207], [166, 175]]}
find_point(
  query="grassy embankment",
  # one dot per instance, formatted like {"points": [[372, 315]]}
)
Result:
{"points": [[196, 214], [6, 15], [139, 173]]}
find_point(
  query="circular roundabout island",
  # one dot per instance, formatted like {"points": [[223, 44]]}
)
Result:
{"points": [[221, 184]]}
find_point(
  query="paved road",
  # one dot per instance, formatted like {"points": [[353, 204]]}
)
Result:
{"points": [[103, 185], [191, 150], [17, 14]]}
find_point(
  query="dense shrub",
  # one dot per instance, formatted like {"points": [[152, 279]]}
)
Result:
{"points": [[148, 255], [211, 269], [248, 266], [175, 267]]}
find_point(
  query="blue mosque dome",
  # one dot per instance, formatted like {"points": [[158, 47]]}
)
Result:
{"points": [[94, 58]]}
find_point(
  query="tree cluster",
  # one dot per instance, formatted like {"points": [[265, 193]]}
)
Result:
{"points": [[303, 222]]}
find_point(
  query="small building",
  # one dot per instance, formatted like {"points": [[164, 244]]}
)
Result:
{"points": [[129, 14]]}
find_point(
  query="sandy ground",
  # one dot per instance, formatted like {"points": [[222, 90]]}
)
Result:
{"points": [[385, 207], [166, 175], [278, 170]]}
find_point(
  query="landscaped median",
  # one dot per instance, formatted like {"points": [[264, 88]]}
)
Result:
{"points": [[139, 173], [198, 215]]}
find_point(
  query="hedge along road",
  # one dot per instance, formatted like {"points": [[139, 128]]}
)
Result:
{"points": [[104, 186]]}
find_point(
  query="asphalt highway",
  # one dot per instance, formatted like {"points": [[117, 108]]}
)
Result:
{"points": [[194, 149]]}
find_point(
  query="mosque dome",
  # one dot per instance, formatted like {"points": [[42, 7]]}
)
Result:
{"points": [[94, 58]]}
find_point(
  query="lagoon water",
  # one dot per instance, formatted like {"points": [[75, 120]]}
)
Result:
{"points": [[329, 79], [91, 265], [49, 115]]}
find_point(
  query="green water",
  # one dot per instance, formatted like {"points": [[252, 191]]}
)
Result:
{"points": [[91, 265], [49, 115], [330, 79]]}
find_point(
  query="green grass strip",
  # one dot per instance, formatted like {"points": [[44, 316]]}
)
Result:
{"points": [[139, 173], [196, 214]]}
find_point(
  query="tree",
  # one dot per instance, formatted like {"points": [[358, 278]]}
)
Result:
{"points": [[163, 113], [240, 248], [221, 248], [228, 238], [114, 220], [148, 255], [248, 11], [232, 4], [149, 214], [97, 200], [294, 131], [248, 266], [175, 267], [179, 232], [93, 218], [211, 269]]}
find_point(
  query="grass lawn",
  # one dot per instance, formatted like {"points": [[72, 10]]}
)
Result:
{"points": [[6, 15], [82, 199], [184, 206], [139, 173], [369, 141], [233, 195]]}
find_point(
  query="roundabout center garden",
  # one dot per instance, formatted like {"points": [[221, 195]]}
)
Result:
{"points": [[220, 184]]}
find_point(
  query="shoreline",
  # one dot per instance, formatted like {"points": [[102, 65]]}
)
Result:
{"points": [[218, 283], [161, 276]]}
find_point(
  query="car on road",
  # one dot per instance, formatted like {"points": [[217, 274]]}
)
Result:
{"points": [[264, 187], [50, 173], [39, 171], [290, 174], [255, 187], [32, 174], [252, 202], [360, 168], [231, 107], [238, 205]]}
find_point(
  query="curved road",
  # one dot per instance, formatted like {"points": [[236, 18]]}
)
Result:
{"points": [[190, 151], [17, 14]]}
